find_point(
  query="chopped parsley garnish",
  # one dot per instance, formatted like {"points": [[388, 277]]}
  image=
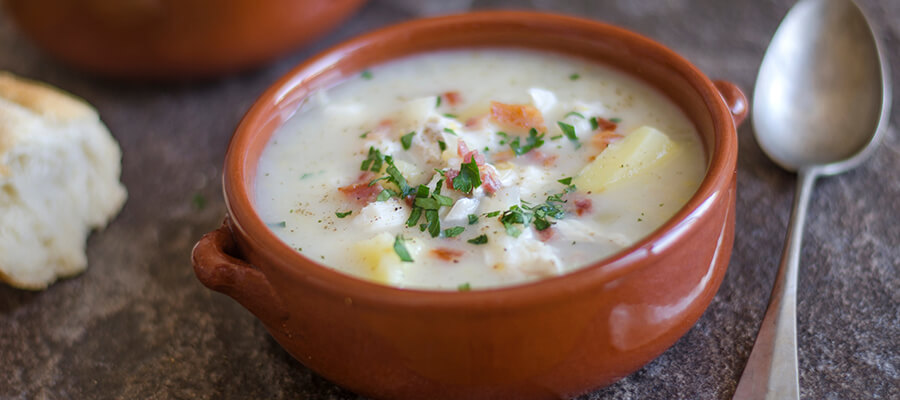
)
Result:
{"points": [[454, 231], [437, 103], [448, 115], [481, 239], [569, 131], [566, 181], [442, 145], [450, 131], [537, 215], [493, 214], [373, 161], [428, 203], [473, 219], [198, 201], [533, 141], [557, 137], [306, 175], [469, 177], [385, 194], [397, 177], [504, 136], [367, 75], [366, 133], [464, 287], [594, 123], [400, 249], [414, 217], [515, 215], [406, 140], [279, 224], [574, 77], [343, 214], [615, 120], [573, 113]]}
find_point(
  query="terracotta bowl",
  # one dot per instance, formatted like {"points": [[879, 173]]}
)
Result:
{"points": [[550, 339], [173, 38]]}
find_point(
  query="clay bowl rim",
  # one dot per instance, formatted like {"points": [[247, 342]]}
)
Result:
{"points": [[239, 204]]}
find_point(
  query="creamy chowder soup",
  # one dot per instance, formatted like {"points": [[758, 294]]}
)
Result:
{"points": [[461, 170]]}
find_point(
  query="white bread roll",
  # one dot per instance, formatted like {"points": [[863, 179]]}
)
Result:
{"points": [[59, 178]]}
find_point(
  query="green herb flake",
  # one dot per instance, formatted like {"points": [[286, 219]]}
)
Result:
{"points": [[454, 231], [473, 219], [566, 181], [343, 214], [442, 145], [279, 224], [573, 113], [414, 217], [464, 287], [306, 175], [481, 239], [448, 115], [469, 177], [443, 200], [385, 194], [594, 123], [434, 223], [373, 161], [615, 120], [437, 102], [569, 131], [533, 141], [450, 131], [367, 75], [406, 140], [557, 137], [198, 201], [493, 214], [364, 134], [574, 77], [400, 249]]}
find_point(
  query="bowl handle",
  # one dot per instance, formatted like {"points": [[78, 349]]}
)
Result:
{"points": [[734, 99], [219, 270]]}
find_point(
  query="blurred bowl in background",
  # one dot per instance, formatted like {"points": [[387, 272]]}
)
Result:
{"points": [[158, 39]]}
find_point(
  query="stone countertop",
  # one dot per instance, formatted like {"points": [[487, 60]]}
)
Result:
{"points": [[139, 325]]}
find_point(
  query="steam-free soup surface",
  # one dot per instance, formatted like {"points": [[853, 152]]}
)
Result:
{"points": [[462, 170]]}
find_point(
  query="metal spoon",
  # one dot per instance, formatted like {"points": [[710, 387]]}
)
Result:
{"points": [[820, 106]]}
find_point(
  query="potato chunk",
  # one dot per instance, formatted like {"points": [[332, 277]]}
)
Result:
{"points": [[638, 151], [382, 264]]}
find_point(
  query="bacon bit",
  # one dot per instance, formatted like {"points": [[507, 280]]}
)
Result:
{"points": [[447, 254], [360, 190], [475, 122], [451, 174], [381, 130], [603, 139], [489, 180], [453, 98], [546, 234], [504, 155], [463, 150], [583, 206], [604, 124], [517, 115], [543, 158]]}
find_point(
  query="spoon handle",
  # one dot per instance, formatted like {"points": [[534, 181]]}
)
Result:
{"points": [[771, 371]]}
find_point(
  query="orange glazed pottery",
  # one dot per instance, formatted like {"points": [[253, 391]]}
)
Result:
{"points": [[174, 38], [554, 338]]}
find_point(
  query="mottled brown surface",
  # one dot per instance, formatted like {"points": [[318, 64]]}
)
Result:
{"points": [[137, 324]]}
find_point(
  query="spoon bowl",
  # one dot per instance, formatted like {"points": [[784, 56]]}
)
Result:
{"points": [[821, 104], [821, 97]]}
